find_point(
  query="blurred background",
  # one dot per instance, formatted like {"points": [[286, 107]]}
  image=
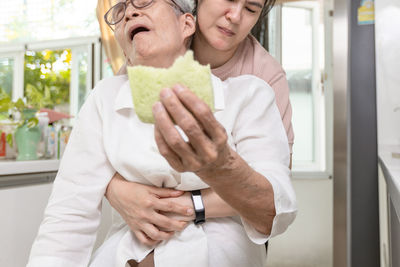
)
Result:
{"points": [[53, 52]]}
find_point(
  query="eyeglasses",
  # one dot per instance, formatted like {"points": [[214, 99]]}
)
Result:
{"points": [[117, 12]]}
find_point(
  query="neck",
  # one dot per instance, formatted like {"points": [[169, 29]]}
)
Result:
{"points": [[206, 54], [164, 60]]}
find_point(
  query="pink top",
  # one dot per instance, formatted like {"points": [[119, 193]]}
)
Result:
{"points": [[252, 58]]}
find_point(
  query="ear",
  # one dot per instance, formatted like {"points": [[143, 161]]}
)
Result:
{"points": [[188, 24]]}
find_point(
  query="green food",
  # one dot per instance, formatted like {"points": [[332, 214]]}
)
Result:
{"points": [[147, 82]]}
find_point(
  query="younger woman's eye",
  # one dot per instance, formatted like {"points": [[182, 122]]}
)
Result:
{"points": [[250, 10]]}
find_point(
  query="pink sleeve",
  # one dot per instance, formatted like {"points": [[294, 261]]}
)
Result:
{"points": [[281, 88], [252, 58], [268, 69]]}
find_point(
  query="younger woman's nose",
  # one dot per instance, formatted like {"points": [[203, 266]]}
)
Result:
{"points": [[234, 13]]}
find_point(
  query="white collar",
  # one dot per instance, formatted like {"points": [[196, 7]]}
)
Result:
{"points": [[124, 96]]}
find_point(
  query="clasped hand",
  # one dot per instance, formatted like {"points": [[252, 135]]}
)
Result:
{"points": [[153, 214]]}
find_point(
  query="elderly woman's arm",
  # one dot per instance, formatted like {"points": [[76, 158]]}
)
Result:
{"points": [[257, 128], [234, 181], [68, 231]]}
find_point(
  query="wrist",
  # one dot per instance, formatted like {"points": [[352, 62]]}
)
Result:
{"points": [[113, 186], [109, 189], [215, 206], [234, 167], [199, 208]]}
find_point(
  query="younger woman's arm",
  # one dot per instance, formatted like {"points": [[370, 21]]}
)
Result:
{"points": [[154, 214]]}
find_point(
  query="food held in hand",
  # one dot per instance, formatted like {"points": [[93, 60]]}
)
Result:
{"points": [[147, 82]]}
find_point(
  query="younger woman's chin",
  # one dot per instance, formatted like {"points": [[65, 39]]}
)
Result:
{"points": [[222, 46]]}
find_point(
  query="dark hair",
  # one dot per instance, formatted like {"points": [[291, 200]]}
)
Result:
{"points": [[268, 5], [194, 12]]}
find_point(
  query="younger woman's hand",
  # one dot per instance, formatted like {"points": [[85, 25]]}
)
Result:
{"points": [[142, 208], [184, 199]]}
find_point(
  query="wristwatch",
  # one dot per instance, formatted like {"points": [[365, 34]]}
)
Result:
{"points": [[198, 207]]}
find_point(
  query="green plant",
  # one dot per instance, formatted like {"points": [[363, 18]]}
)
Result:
{"points": [[3, 94], [17, 113], [39, 98], [47, 77]]}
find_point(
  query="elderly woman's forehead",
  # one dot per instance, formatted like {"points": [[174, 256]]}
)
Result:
{"points": [[179, 2]]}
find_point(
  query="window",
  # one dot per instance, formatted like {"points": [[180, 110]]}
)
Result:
{"points": [[46, 56], [11, 69], [57, 74], [299, 38], [6, 74], [47, 76], [24, 21]]}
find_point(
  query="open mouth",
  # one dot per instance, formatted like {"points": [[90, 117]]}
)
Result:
{"points": [[138, 30]]}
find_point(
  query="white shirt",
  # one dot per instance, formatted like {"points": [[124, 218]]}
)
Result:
{"points": [[108, 137]]}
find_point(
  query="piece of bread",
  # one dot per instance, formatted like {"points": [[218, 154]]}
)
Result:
{"points": [[147, 82]]}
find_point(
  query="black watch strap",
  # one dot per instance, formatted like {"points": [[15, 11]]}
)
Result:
{"points": [[198, 207]]}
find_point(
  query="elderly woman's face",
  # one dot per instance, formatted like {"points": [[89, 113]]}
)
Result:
{"points": [[155, 35]]}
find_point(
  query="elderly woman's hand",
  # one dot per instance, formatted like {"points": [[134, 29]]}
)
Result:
{"points": [[207, 150], [208, 154], [141, 207]]}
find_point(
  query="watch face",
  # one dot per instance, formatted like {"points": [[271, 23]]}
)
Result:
{"points": [[198, 203]]}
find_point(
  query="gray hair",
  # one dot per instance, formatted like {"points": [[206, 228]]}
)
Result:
{"points": [[187, 6]]}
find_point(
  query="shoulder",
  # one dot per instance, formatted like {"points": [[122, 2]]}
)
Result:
{"points": [[109, 86], [261, 55], [249, 87], [105, 92], [265, 66]]}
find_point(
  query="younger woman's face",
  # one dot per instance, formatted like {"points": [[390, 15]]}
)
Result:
{"points": [[226, 23]]}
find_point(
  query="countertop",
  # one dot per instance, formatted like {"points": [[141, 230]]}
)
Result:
{"points": [[12, 167], [391, 169]]}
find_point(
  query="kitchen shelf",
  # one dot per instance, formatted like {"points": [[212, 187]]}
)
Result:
{"points": [[12, 167]]}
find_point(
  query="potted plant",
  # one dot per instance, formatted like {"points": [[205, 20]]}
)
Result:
{"points": [[26, 133]]}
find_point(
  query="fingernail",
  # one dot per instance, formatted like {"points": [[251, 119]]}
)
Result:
{"points": [[179, 88], [189, 211], [157, 107], [177, 193], [165, 93]]}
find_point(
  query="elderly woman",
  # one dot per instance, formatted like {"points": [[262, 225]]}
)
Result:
{"points": [[241, 152], [222, 40]]}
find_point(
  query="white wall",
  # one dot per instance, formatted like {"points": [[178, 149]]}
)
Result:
{"points": [[309, 241], [387, 41], [21, 214], [387, 34]]}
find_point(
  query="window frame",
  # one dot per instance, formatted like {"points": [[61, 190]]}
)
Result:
{"points": [[322, 166], [92, 45], [17, 53]]}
